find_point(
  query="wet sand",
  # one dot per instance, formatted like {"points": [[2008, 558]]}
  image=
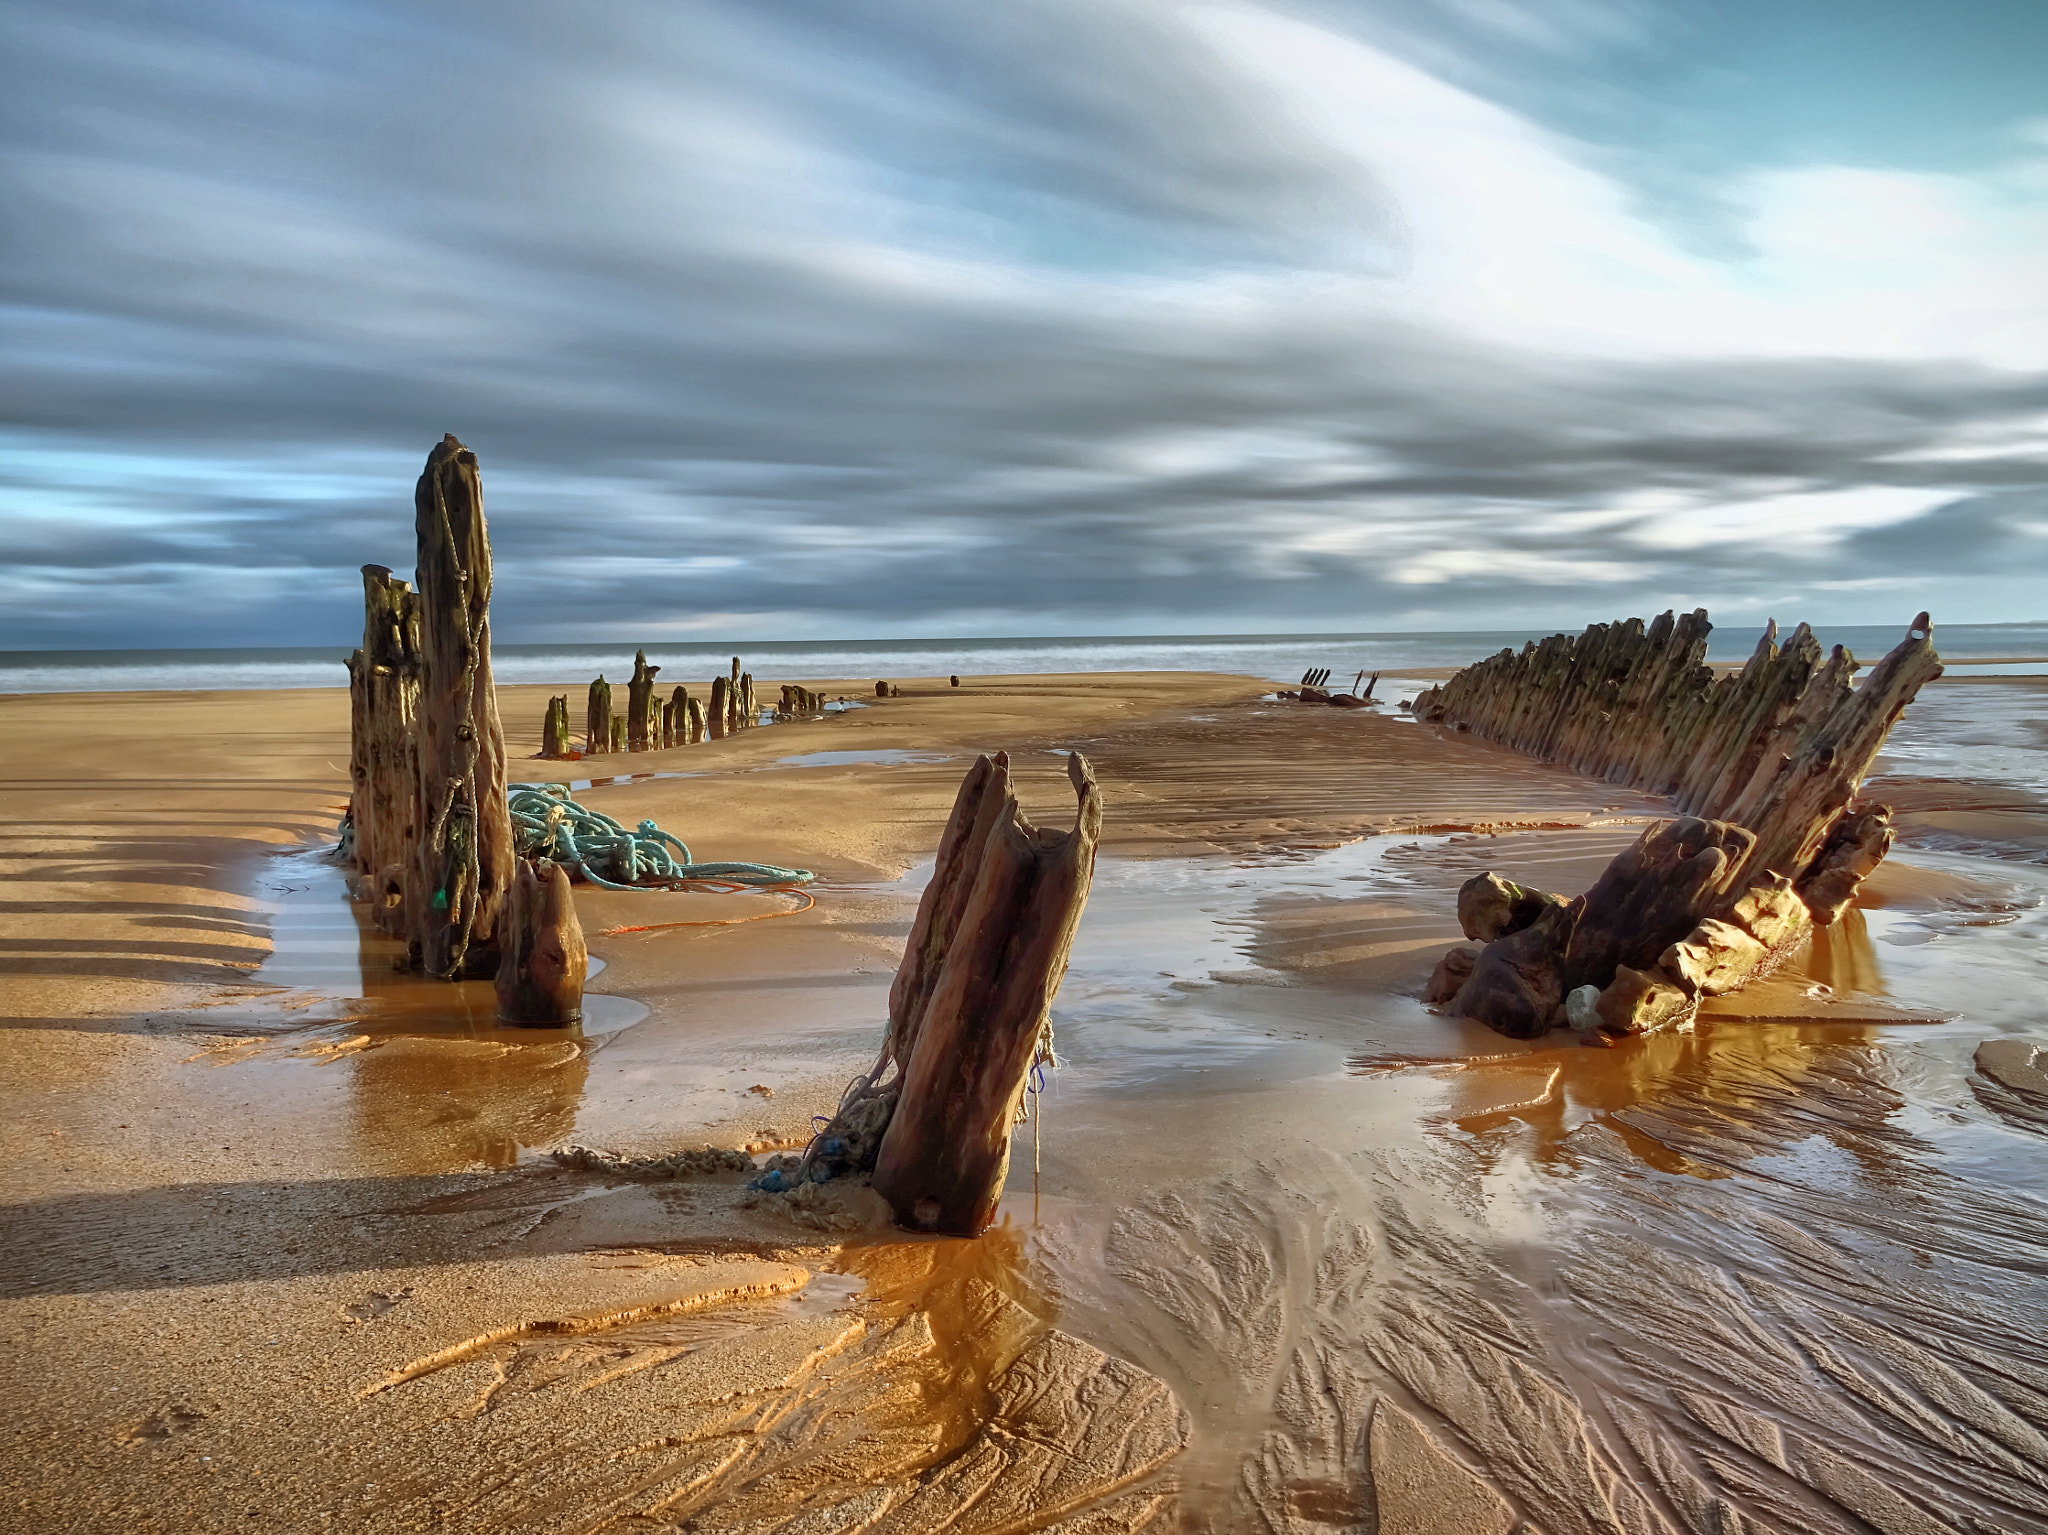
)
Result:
{"points": [[283, 1250]]}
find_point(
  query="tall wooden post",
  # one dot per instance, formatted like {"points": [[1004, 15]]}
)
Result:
{"points": [[696, 709], [640, 717], [749, 714], [462, 860], [597, 717]]}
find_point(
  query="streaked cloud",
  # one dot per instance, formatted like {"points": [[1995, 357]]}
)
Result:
{"points": [[920, 318]]}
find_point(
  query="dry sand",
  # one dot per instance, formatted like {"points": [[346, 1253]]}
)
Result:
{"points": [[281, 1254]]}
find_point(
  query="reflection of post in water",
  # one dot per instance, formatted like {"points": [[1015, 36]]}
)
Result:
{"points": [[447, 1078], [458, 1100], [982, 1311], [1843, 959]]}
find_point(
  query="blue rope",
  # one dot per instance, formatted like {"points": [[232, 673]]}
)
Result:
{"points": [[546, 823]]}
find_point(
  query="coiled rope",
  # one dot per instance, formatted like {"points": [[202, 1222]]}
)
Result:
{"points": [[546, 823]]}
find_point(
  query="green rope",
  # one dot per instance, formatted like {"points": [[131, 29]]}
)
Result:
{"points": [[546, 823]]}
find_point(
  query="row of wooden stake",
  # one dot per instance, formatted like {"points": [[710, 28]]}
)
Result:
{"points": [[651, 724]]}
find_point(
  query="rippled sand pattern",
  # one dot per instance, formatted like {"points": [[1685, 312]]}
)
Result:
{"points": [[1806, 1327]]}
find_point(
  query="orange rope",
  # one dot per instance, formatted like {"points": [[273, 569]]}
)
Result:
{"points": [[760, 916]]}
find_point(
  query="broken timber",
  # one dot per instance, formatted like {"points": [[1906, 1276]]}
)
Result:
{"points": [[969, 1008], [1763, 763]]}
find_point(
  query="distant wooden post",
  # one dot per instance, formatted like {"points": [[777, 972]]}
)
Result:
{"points": [[680, 702], [721, 708], [881, 690], [618, 733], [696, 709], [384, 692], [544, 960], [750, 715], [969, 1006], [462, 860], [554, 731], [597, 717], [641, 720]]}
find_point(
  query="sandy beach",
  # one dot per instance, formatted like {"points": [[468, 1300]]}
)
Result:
{"points": [[1285, 1250]]}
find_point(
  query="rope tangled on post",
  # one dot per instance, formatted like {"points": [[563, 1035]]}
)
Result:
{"points": [[546, 823]]}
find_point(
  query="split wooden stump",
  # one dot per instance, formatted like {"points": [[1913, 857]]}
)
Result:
{"points": [[969, 1009]]}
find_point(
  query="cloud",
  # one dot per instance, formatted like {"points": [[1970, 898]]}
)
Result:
{"points": [[922, 318]]}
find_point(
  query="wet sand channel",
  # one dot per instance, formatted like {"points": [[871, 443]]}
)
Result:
{"points": [[284, 1247]]}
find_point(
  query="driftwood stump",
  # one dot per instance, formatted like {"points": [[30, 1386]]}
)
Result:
{"points": [[597, 717], [543, 960], [970, 1003], [554, 730], [696, 722], [384, 692], [641, 720], [749, 714], [719, 716], [462, 857], [679, 703]]}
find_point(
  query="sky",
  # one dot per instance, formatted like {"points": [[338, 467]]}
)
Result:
{"points": [[829, 318]]}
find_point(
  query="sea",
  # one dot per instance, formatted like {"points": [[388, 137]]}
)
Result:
{"points": [[1996, 649]]}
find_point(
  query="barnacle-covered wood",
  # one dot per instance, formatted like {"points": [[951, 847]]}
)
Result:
{"points": [[554, 730], [462, 857], [641, 720], [384, 692], [1763, 763], [988, 952]]}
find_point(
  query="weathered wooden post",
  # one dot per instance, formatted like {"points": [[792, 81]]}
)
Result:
{"points": [[384, 691], [720, 713], [750, 715], [640, 720], [597, 717], [681, 702], [696, 709], [554, 730], [970, 1003], [618, 733], [462, 858], [881, 690], [544, 960]]}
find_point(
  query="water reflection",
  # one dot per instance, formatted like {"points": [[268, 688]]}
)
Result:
{"points": [[435, 1078], [1843, 959]]}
